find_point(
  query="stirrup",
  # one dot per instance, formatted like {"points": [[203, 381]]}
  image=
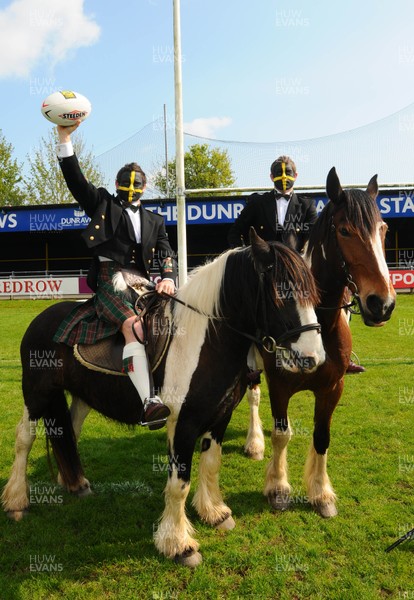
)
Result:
{"points": [[154, 424]]}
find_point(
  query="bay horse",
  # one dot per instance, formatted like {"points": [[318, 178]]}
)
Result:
{"points": [[345, 250], [259, 293]]}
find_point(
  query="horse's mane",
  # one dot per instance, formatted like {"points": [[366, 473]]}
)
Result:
{"points": [[361, 212], [289, 275], [291, 270], [202, 288]]}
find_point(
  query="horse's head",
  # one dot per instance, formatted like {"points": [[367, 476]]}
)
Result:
{"points": [[360, 234], [286, 298]]}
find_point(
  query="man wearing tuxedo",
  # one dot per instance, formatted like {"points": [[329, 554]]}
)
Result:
{"points": [[279, 215], [121, 234]]}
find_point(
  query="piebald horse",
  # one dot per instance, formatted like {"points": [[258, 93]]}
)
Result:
{"points": [[345, 250], [264, 292]]}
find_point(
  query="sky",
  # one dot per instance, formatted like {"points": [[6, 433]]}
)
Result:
{"points": [[265, 71]]}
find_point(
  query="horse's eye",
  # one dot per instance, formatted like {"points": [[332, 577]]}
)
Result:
{"points": [[344, 232]]}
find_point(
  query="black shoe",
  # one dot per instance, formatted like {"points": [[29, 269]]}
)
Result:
{"points": [[155, 413], [354, 368]]}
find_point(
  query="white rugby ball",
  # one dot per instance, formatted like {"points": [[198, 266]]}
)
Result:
{"points": [[66, 107]]}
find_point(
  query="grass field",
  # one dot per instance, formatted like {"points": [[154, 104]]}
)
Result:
{"points": [[101, 547]]}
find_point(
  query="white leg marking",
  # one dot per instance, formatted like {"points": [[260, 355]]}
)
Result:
{"points": [[255, 445], [208, 500], [173, 534], [317, 482], [277, 470], [15, 494]]}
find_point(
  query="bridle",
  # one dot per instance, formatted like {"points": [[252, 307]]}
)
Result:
{"points": [[349, 282], [266, 341]]}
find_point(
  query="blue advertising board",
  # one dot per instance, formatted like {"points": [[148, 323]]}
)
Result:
{"points": [[204, 212]]}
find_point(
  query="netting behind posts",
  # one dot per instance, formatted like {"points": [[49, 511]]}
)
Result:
{"points": [[385, 147]]}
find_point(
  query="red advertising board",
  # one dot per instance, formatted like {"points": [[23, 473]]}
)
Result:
{"points": [[402, 279]]}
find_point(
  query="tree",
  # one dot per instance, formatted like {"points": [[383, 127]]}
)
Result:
{"points": [[204, 167], [10, 176], [46, 184]]}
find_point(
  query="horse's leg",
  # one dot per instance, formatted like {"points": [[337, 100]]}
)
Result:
{"points": [[277, 487], [208, 500], [173, 535], [79, 410], [320, 492], [15, 495], [254, 446], [64, 445]]}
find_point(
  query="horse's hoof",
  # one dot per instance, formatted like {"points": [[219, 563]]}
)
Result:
{"points": [[326, 511], [227, 525], [83, 492], [17, 515], [254, 454], [191, 560], [279, 501]]}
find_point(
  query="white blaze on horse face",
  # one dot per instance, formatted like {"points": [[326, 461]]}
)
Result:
{"points": [[379, 255], [309, 346]]}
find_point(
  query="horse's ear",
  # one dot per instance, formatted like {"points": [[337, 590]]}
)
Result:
{"points": [[372, 188], [333, 186], [261, 253]]}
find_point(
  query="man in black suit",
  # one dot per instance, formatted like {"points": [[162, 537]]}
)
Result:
{"points": [[279, 215], [121, 233]]}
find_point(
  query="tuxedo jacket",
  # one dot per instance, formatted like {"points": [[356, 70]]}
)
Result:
{"points": [[110, 232], [260, 212]]}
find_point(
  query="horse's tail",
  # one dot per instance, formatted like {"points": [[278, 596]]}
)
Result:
{"points": [[59, 430]]}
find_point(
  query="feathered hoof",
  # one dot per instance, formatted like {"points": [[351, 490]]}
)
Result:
{"points": [[17, 515], [254, 454], [227, 525], [83, 491], [279, 501], [327, 511], [190, 558]]}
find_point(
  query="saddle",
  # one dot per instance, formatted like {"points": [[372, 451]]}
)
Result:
{"points": [[105, 355]]}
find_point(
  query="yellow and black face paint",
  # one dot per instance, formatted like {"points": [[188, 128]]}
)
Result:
{"points": [[131, 183], [285, 174]]}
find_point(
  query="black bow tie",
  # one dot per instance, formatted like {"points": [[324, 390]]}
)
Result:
{"points": [[285, 196], [133, 207]]}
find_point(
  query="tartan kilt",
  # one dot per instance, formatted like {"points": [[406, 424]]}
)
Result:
{"points": [[100, 316]]}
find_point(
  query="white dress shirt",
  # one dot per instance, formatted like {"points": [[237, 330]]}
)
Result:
{"points": [[281, 206], [135, 218]]}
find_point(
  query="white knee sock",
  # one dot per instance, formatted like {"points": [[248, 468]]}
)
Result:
{"points": [[136, 365]]}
